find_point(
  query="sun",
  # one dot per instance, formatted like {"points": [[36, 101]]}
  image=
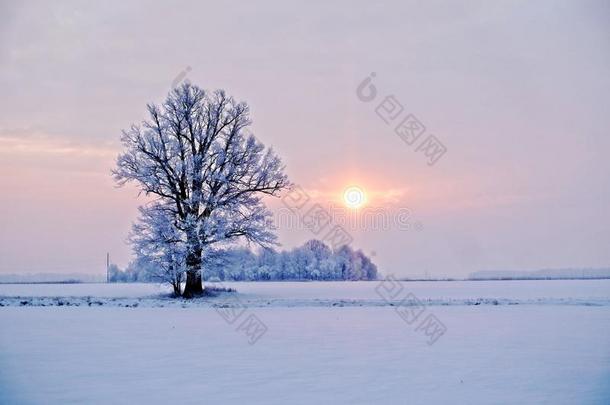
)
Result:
{"points": [[354, 197]]}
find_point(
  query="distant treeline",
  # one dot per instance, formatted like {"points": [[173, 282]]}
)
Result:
{"points": [[543, 274], [312, 261]]}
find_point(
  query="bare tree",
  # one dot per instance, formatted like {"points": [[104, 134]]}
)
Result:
{"points": [[194, 157]]}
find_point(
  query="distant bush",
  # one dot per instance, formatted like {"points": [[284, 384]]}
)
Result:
{"points": [[312, 261]]}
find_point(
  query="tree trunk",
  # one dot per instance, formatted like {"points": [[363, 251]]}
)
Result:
{"points": [[193, 286]]}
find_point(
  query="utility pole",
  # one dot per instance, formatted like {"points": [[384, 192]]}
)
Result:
{"points": [[107, 267]]}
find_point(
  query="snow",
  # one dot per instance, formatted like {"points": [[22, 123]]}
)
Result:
{"points": [[360, 293], [517, 289], [528, 354]]}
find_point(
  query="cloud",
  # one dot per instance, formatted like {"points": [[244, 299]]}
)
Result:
{"points": [[37, 143], [377, 197]]}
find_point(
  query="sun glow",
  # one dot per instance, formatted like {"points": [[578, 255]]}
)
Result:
{"points": [[354, 197]]}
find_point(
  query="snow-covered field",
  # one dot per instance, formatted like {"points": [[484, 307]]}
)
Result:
{"points": [[291, 294], [503, 342]]}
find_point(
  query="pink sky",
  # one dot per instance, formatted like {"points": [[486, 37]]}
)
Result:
{"points": [[518, 93]]}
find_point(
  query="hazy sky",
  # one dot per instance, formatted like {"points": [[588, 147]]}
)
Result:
{"points": [[518, 92]]}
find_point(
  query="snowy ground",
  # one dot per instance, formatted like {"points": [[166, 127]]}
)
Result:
{"points": [[291, 294], [539, 342]]}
